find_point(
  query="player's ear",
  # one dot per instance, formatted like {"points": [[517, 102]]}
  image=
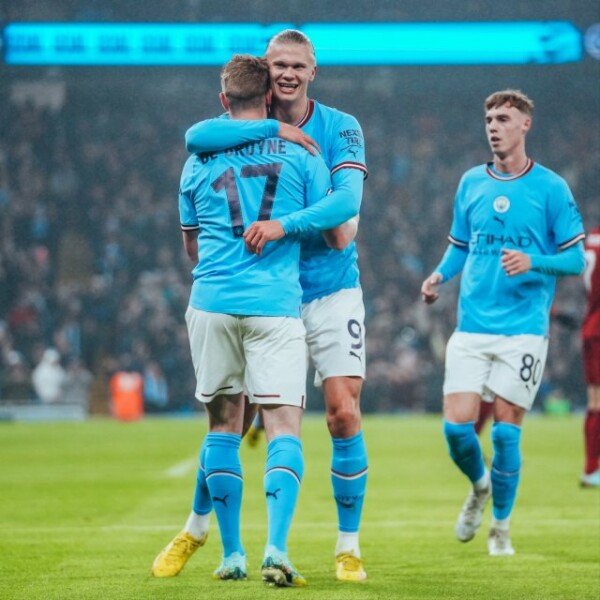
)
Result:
{"points": [[269, 99], [313, 74], [224, 101], [526, 124]]}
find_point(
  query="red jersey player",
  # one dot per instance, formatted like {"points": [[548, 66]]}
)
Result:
{"points": [[590, 333]]}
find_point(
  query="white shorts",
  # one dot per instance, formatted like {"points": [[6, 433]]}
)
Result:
{"points": [[509, 366], [335, 334], [266, 356]]}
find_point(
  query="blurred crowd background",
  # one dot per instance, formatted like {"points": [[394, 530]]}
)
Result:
{"points": [[93, 277]]}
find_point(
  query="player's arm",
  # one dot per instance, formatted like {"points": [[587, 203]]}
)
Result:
{"points": [[190, 244], [341, 236], [452, 264], [457, 252], [349, 183], [568, 262], [567, 229], [188, 217], [348, 171], [323, 211], [213, 135]]}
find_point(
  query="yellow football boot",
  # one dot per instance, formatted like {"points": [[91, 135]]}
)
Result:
{"points": [[173, 557], [349, 568]]}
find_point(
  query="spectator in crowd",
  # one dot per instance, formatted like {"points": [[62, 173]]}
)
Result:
{"points": [[49, 378], [16, 384]]}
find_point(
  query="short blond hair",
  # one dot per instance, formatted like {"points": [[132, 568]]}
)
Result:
{"points": [[292, 36], [515, 98], [245, 81]]}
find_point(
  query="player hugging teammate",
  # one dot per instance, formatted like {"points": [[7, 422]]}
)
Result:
{"points": [[330, 305]]}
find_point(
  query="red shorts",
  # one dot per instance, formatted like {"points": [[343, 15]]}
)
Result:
{"points": [[591, 360]]}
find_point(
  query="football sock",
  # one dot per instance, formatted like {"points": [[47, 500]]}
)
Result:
{"points": [[502, 524], [465, 449], [591, 431], [482, 483], [349, 481], [505, 467], [224, 479], [283, 474], [202, 504], [347, 543], [197, 525]]}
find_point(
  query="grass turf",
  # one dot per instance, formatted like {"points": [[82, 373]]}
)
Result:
{"points": [[85, 507]]}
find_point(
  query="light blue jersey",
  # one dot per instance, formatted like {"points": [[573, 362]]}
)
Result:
{"points": [[221, 194], [323, 271], [533, 212]]}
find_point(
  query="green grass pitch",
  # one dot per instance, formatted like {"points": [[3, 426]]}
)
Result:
{"points": [[85, 507]]}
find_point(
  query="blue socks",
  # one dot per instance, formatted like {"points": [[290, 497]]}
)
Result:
{"points": [[224, 480], [505, 467], [202, 504], [283, 474], [464, 448], [349, 480]]}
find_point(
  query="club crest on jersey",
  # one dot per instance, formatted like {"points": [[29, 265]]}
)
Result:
{"points": [[501, 204]]}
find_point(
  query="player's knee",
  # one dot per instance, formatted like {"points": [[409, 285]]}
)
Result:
{"points": [[343, 420], [461, 407], [458, 435]]}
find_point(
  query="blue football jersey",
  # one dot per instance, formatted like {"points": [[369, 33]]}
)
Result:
{"points": [[221, 194], [324, 271], [533, 212]]}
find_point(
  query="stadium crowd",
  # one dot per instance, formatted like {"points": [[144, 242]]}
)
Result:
{"points": [[91, 262]]}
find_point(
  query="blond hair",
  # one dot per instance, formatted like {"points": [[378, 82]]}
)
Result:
{"points": [[292, 36], [245, 81], [514, 98]]}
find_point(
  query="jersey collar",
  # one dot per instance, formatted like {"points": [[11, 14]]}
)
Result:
{"points": [[310, 109], [511, 177]]}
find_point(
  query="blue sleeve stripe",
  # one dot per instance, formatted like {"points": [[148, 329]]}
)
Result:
{"points": [[458, 243], [189, 227], [350, 165], [572, 241]]}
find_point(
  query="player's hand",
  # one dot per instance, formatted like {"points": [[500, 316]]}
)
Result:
{"points": [[515, 262], [296, 135], [430, 288], [261, 232]]}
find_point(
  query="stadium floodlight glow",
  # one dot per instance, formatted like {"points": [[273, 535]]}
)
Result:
{"points": [[446, 43], [335, 43]]}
